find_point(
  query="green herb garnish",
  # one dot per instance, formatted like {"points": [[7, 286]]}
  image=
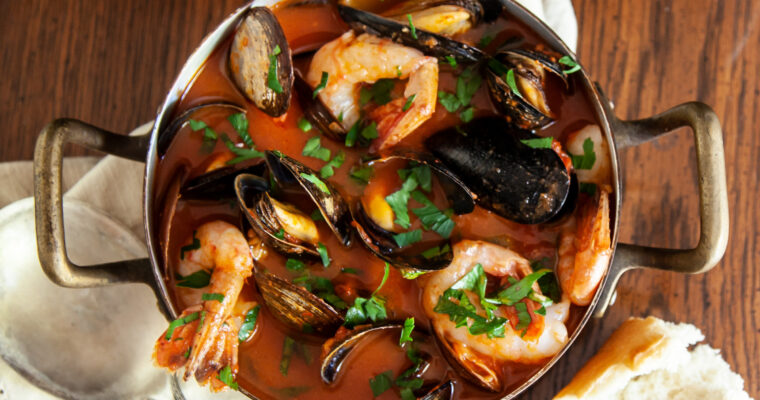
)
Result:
{"points": [[587, 160], [411, 26], [249, 323], [523, 317], [195, 245], [398, 201], [381, 382], [369, 132], [322, 288], [280, 234], [512, 83], [272, 80], [569, 62], [449, 101], [313, 148], [436, 251], [196, 280], [212, 296], [288, 345], [405, 239], [322, 84], [378, 93], [352, 134], [304, 124], [241, 153], [322, 250], [521, 289], [406, 333], [431, 217], [361, 175], [179, 322], [452, 61], [538, 143], [316, 181], [348, 270], [588, 187], [225, 375], [328, 170], [294, 265], [485, 41], [409, 102], [240, 123], [316, 215], [467, 115], [368, 309], [208, 133]]}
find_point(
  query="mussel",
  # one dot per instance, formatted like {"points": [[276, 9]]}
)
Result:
{"points": [[219, 183], [516, 82], [376, 232], [167, 134], [338, 350], [260, 62], [444, 391], [469, 365], [444, 17], [295, 306], [429, 43], [316, 112], [524, 184]]}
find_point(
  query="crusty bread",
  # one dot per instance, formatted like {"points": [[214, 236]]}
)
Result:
{"points": [[649, 359]]}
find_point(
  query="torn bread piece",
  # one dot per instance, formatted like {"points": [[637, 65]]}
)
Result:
{"points": [[649, 359]]}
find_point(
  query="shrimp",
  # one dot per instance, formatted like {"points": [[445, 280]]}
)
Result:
{"points": [[545, 335], [600, 172], [351, 60], [585, 248], [204, 339]]}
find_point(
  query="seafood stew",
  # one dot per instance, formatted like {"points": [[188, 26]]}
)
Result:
{"points": [[346, 209]]}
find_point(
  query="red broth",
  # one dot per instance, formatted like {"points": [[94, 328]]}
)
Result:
{"points": [[307, 27]]}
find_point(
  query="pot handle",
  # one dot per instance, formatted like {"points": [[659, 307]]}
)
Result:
{"points": [[713, 199], [48, 205]]}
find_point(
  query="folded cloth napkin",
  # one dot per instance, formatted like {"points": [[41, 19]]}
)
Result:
{"points": [[97, 343]]}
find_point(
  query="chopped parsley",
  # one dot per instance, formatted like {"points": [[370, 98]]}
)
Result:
{"points": [[369, 132], [452, 61], [431, 217], [572, 65], [313, 148], [196, 280], [436, 251], [241, 153], [272, 80], [208, 133], [322, 288], [588, 187], [468, 84], [368, 309], [280, 234], [381, 382], [212, 296], [294, 265], [361, 174], [587, 160], [348, 270], [378, 93], [521, 289], [304, 124], [179, 322], [322, 250], [240, 123], [398, 201], [485, 41], [449, 101], [316, 181], [405, 239], [411, 26], [538, 143], [225, 375], [523, 317], [322, 84], [547, 283], [512, 83], [316, 215], [288, 346], [467, 115], [409, 102], [406, 332], [249, 323], [195, 245], [350, 140], [423, 174], [328, 170]]}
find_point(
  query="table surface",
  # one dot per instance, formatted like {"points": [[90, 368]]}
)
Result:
{"points": [[110, 63]]}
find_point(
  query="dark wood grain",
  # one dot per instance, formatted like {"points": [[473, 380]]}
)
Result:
{"points": [[110, 62]]}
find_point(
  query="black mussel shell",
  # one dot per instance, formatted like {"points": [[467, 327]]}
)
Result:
{"points": [[256, 40], [483, 376], [331, 204], [429, 43], [437, 9], [444, 391], [166, 136], [527, 110], [255, 203], [316, 112], [520, 183], [295, 306], [218, 184]]}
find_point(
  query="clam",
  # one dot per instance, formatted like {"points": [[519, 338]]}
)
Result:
{"points": [[295, 306], [316, 112], [167, 135], [260, 62], [520, 183], [444, 17], [516, 81], [376, 231], [429, 43]]}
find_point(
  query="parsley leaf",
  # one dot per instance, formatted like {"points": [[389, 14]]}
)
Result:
{"points": [[316, 181], [361, 175], [316, 215], [380, 383], [485, 41], [523, 316], [322, 288], [406, 332], [351, 135], [179, 322], [322, 84], [411, 26], [240, 123], [405, 239], [348, 270], [190, 247], [511, 82], [327, 171], [272, 80], [431, 217], [538, 143], [196, 280], [409, 102], [368, 309], [212, 296], [521, 289], [588, 187], [436, 251], [249, 323], [569, 62], [452, 61], [225, 375], [379, 93], [467, 84], [313, 148], [288, 345], [294, 265], [304, 124], [322, 250], [398, 201], [467, 115], [241, 153], [369, 132], [208, 133], [587, 160], [449, 101]]}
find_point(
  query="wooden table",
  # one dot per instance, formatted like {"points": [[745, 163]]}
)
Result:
{"points": [[110, 63]]}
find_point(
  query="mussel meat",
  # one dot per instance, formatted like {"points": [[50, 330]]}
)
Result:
{"points": [[444, 17], [295, 306], [431, 44], [524, 184], [260, 62], [516, 82], [316, 112]]}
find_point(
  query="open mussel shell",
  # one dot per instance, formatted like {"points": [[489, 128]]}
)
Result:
{"points": [[529, 109], [251, 54], [332, 206], [444, 391], [520, 183], [445, 17], [258, 208], [166, 136], [429, 43], [316, 112], [295, 306], [218, 184], [482, 375], [339, 350]]}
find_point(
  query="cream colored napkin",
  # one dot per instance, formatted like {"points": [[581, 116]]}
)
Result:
{"points": [[97, 343]]}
